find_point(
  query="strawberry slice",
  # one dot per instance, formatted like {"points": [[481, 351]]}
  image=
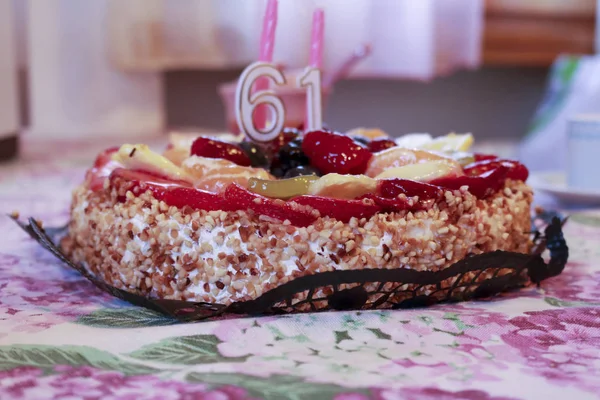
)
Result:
{"points": [[194, 198], [391, 188], [242, 199], [516, 170], [480, 186], [139, 177], [174, 193], [105, 157], [210, 148], [483, 157], [335, 153], [377, 145], [342, 210], [103, 166], [392, 205]]}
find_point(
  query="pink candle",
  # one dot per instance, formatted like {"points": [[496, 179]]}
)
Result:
{"points": [[267, 43], [316, 52], [316, 38]]}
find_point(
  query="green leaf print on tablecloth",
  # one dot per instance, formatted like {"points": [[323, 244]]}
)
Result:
{"points": [[274, 387], [379, 334], [47, 357], [129, 317], [186, 350], [341, 335], [562, 303]]}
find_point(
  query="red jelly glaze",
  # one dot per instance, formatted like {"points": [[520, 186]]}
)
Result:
{"points": [[242, 199], [103, 166], [392, 188], [139, 178], [174, 193], [180, 194], [340, 209], [375, 146], [483, 179], [105, 156], [393, 205], [482, 157], [334, 153], [480, 186], [205, 147], [516, 170]]}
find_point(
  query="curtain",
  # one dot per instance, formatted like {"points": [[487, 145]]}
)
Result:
{"points": [[409, 39]]}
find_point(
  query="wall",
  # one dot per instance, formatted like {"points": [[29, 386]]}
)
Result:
{"points": [[490, 102]]}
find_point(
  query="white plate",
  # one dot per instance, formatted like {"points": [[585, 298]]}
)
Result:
{"points": [[555, 184]]}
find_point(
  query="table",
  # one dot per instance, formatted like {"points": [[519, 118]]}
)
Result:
{"points": [[60, 337]]}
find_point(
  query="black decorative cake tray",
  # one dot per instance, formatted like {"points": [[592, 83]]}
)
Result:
{"points": [[476, 276]]}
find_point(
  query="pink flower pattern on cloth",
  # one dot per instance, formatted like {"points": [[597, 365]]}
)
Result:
{"points": [[60, 337]]}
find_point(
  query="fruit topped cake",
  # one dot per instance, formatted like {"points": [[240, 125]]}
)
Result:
{"points": [[220, 219]]}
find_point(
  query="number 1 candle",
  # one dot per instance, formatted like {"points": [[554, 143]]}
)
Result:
{"points": [[311, 78]]}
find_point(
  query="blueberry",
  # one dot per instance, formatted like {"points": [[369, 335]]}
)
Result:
{"points": [[301, 171], [277, 172], [256, 154]]}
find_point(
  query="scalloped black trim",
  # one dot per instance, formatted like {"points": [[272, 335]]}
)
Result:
{"points": [[366, 288]]}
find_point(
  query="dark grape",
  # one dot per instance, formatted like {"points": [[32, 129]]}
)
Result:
{"points": [[286, 136], [292, 156], [256, 154]]}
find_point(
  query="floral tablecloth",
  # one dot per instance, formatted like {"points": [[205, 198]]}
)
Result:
{"points": [[60, 337]]}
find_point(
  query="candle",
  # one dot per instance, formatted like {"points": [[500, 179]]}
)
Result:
{"points": [[252, 95], [267, 44], [316, 39], [311, 79]]}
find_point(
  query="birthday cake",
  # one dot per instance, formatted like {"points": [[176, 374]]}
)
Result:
{"points": [[222, 220]]}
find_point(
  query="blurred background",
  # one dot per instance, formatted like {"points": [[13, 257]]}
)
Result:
{"points": [[129, 67]]}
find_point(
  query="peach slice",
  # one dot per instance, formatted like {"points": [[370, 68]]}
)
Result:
{"points": [[215, 175]]}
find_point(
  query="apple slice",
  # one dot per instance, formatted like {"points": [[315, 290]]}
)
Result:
{"points": [[423, 172], [140, 157], [449, 142]]}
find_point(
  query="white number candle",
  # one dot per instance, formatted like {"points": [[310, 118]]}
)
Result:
{"points": [[311, 80], [246, 102]]}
